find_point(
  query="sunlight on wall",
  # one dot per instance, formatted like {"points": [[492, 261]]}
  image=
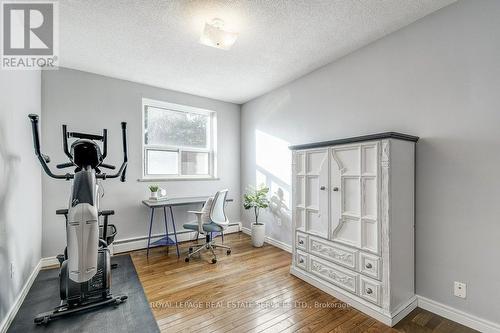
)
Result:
{"points": [[273, 157], [273, 169], [260, 178]]}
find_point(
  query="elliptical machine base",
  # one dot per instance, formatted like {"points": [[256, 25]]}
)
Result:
{"points": [[76, 297]]}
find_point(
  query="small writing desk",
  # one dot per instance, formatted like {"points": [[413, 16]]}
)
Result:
{"points": [[164, 204]]}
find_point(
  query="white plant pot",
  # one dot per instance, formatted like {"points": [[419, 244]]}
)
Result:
{"points": [[258, 234], [154, 195]]}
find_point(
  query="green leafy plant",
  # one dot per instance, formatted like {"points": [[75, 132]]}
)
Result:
{"points": [[153, 188], [256, 198]]}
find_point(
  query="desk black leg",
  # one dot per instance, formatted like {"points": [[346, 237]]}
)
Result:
{"points": [[175, 232], [150, 227], [198, 233], [166, 225]]}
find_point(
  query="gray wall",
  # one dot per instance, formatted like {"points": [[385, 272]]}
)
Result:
{"points": [[20, 184], [438, 78], [87, 103]]}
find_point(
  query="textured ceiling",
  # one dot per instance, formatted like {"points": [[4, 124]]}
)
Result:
{"points": [[156, 42]]}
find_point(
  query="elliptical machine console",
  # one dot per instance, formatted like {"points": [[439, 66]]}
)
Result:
{"points": [[85, 272]]}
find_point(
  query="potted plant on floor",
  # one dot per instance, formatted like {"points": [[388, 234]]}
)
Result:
{"points": [[255, 199]]}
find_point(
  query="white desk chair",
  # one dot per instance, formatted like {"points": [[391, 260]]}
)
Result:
{"points": [[214, 221]]}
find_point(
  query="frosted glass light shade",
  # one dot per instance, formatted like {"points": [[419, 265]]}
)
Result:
{"points": [[213, 35]]}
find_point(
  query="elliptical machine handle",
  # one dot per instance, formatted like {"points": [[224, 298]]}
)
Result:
{"points": [[125, 155], [44, 159], [123, 168], [122, 178], [65, 165]]}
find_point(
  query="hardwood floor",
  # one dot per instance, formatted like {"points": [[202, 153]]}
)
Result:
{"points": [[252, 291]]}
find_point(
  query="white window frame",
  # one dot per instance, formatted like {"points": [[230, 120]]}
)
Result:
{"points": [[211, 139]]}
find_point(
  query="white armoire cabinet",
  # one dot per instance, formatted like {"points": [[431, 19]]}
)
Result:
{"points": [[353, 219]]}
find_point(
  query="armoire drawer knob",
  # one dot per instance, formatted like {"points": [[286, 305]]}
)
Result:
{"points": [[369, 291], [301, 260], [301, 242], [335, 189], [322, 188], [368, 265]]}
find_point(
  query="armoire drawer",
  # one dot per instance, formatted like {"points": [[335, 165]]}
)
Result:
{"points": [[301, 241], [370, 265], [301, 260], [370, 290], [334, 274], [330, 251]]}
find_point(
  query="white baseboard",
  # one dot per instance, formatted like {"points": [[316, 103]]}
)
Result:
{"points": [[270, 240], [4, 325], [458, 316], [48, 262], [404, 309], [139, 243]]}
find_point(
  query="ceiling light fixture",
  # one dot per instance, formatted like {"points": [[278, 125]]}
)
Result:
{"points": [[214, 35]]}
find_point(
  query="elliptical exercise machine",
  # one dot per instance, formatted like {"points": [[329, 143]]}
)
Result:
{"points": [[85, 272]]}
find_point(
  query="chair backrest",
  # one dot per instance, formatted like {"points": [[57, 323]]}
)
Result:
{"points": [[207, 207], [217, 214]]}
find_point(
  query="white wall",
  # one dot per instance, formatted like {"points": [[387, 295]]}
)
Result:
{"points": [[439, 79], [87, 103], [20, 185]]}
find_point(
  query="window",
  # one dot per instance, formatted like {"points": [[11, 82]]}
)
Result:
{"points": [[178, 141]]}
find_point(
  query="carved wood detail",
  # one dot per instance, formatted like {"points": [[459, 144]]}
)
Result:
{"points": [[342, 279], [339, 162], [384, 216], [332, 252]]}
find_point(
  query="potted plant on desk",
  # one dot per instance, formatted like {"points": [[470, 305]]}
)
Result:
{"points": [[154, 192], [257, 199]]}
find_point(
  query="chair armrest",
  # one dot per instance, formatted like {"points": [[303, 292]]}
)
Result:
{"points": [[198, 220]]}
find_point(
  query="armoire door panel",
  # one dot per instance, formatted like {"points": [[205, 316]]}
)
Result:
{"points": [[335, 194], [369, 155], [347, 231], [315, 161], [312, 192], [300, 163], [316, 223], [350, 193], [348, 159], [300, 191], [316, 191], [370, 239], [369, 202], [300, 218]]}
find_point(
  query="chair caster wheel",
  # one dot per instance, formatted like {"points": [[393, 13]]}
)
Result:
{"points": [[214, 261], [228, 252], [190, 250], [186, 260]]}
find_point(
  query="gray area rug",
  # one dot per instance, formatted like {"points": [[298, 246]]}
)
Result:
{"points": [[132, 316]]}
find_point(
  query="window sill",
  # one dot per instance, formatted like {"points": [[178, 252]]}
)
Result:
{"points": [[146, 180]]}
